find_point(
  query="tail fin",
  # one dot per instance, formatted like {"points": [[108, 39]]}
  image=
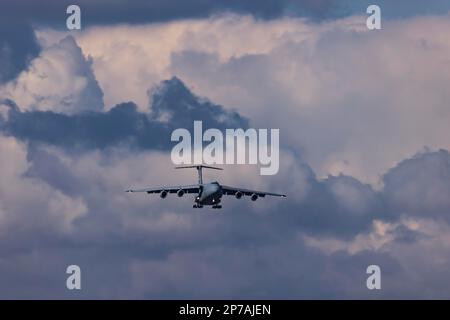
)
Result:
{"points": [[199, 170]]}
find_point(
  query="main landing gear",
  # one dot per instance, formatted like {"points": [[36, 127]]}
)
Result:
{"points": [[197, 206]]}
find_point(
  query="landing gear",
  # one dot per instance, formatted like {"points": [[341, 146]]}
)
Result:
{"points": [[217, 207], [197, 206]]}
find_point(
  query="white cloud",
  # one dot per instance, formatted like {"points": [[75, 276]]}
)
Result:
{"points": [[381, 234], [59, 80], [354, 101], [127, 60], [28, 203]]}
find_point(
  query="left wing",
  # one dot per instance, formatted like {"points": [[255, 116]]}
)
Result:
{"points": [[247, 192], [195, 188]]}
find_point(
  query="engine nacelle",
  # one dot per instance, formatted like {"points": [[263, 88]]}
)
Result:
{"points": [[254, 197], [163, 194], [238, 195], [180, 193]]}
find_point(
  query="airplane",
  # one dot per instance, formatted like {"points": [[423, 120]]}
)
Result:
{"points": [[207, 194]]}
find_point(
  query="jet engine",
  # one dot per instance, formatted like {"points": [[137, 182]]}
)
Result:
{"points": [[254, 197], [180, 193], [163, 194], [238, 195]]}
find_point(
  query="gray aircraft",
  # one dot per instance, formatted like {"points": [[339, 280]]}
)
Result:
{"points": [[207, 194]]}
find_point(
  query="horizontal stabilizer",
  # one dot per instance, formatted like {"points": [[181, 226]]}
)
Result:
{"points": [[198, 167]]}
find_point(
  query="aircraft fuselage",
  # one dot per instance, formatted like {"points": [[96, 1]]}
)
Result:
{"points": [[210, 194]]}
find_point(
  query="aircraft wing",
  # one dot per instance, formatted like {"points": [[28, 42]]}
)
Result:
{"points": [[174, 189], [247, 192]]}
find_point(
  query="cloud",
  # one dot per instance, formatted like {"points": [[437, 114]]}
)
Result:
{"points": [[16, 49], [105, 12], [399, 249], [123, 124], [29, 204], [251, 252], [334, 84], [397, 9], [341, 206], [347, 101], [59, 80], [379, 238], [420, 186], [337, 85], [148, 59]]}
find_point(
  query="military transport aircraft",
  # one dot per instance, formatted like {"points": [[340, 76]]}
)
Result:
{"points": [[208, 194]]}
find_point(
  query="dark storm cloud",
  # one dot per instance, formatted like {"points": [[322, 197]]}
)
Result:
{"points": [[242, 252], [337, 206], [120, 267], [398, 8], [173, 99], [141, 11], [53, 13], [343, 206], [420, 186], [18, 45], [123, 124], [239, 253]]}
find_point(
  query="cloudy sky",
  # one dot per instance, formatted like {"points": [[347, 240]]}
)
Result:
{"points": [[364, 139]]}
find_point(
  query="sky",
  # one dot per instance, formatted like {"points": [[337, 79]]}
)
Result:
{"points": [[364, 139]]}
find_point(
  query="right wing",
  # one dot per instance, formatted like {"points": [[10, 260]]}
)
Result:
{"points": [[232, 191], [195, 188]]}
